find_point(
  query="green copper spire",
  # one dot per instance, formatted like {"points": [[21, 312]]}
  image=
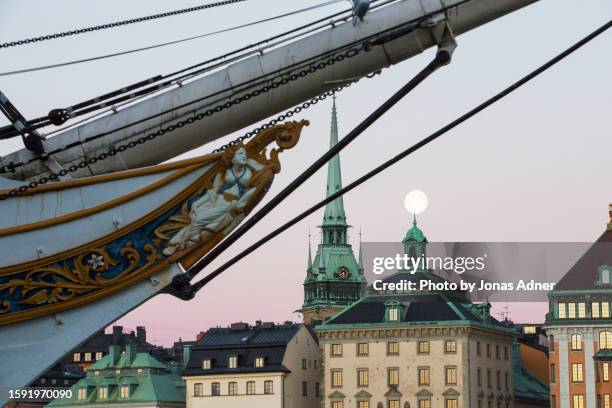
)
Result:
{"points": [[334, 211], [360, 262], [309, 254]]}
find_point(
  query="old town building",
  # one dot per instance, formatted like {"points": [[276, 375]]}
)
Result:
{"points": [[579, 329]]}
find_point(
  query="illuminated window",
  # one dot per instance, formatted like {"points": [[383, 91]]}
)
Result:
{"points": [[605, 401], [232, 388], [198, 390], [206, 364], [576, 341], [529, 330], [232, 362], [363, 378], [250, 387], [124, 391], [605, 371], [336, 350], [140, 371], [423, 347], [581, 310], [605, 340], [259, 362], [450, 346], [337, 404], [98, 356], [87, 356], [394, 404], [336, 378], [595, 310], [605, 310], [424, 376], [268, 387], [392, 348], [82, 394], [103, 393], [393, 314], [577, 372], [215, 389], [578, 401], [76, 357], [571, 310], [451, 403], [451, 375], [363, 404], [425, 403], [363, 349], [393, 376], [562, 311]]}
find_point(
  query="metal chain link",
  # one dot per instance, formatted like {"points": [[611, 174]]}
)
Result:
{"points": [[116, 24], [314, 67]]}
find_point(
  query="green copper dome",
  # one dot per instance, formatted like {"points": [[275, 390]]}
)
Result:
{"points": [[414, 234]]}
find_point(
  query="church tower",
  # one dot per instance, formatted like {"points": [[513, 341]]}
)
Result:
{"points": [[334, 278]]}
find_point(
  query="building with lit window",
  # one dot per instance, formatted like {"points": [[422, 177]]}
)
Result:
{"points": [[579, 329], [416, 349], [264, 365], [127, 379]]}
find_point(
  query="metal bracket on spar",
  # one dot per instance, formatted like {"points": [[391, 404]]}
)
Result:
{"points": [[442, 34]]}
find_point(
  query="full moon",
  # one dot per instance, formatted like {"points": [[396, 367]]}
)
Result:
{"points": [[416, 202]]}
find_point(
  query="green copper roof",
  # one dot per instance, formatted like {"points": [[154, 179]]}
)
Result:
{"points": [[334, 211], [414, 234]]}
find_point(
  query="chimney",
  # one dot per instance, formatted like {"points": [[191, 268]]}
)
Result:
{"points": [[200, 336], [141, 335], [239, 326], [130, 353], [117, 332], [258, 323], [186, 354], [114, 354]]}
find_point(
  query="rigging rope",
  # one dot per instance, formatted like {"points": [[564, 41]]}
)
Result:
{"points": [[189, 291], [116, 24]]}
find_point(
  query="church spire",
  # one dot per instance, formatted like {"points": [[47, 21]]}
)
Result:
{"points": [[309, 254], [360, 262], [334, 211]]}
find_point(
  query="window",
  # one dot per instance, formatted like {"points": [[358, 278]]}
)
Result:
{"points": [[337, 404], [206, 364], [605, 276], [304, 389], [578, 401], [82, 394], [336, 350], [76, 357], [232, 388], [451, 403], [479, 376], [232, 362], [392, 348], [497, 351], [562, 313], [571, 310], [96, 373], [393, 376], [98, 356], [87, 356], [551, 343], [605, 340], [124, 391], [117, 372], [43, 380], [140, 371], [394, 404], [605, 401], [488, 350], [423, 376], [260, 362], [506, 353], [529, 330], [552, 374], [268, 387], [315, 363], [605, 310], [595, 310], [423, 347], [363, 377], [489, 385], [450, 346], [103, 393], [553, 401], [605, 371], [581, 310], [363, 349], [451, 375], [393, 314], [498, 379], [198, 390], [215, 389], [336, 378], [363, 404], [425, 403], [507, 381], [576, 341], [317, 390], [577, 372], [250, 387], [478, 350], [303, 364]]}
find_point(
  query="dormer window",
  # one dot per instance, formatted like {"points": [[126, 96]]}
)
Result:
{"points": [[232, 362], [124, 391], [207, 364], [259, 362], [103, 393], [82, 394], [603, 275], [392, 311]]}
